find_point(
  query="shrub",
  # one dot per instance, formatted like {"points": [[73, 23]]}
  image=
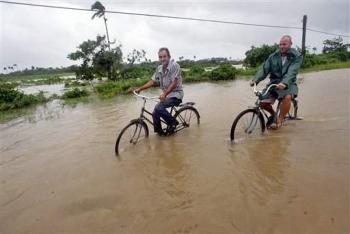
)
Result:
{"points": [[10, 98], [194, 74], [197, 69], [75, 93], [139, 71], [111, 88], [257, 55], [223, 72]]}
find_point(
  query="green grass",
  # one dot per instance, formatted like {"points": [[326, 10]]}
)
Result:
{"points": [[75, 93], [112, 88], [34, 79], [250, 72], [12, 99], [328, 66]]}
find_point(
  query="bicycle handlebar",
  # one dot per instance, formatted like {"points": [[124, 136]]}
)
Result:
{"points": [[257, 92], [145, 97]]}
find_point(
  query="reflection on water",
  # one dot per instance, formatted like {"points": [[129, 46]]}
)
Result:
{"points": [[267, 162], [59, 173]]}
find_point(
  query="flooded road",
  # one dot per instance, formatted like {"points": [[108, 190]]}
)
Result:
{"points": [[58, 172]]}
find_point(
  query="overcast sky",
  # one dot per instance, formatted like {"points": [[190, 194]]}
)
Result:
{"points": [[43, 37]]}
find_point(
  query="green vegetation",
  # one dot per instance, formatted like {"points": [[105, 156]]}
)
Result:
{"points": [[75, 93], [223, 72], [10, 98], [99, 61], [38, 70], [112, 88], [74, 83], [100, 11], [257, 55], [145, 69], [35, 79], [248, 72], [195, 73], [327, 66]]}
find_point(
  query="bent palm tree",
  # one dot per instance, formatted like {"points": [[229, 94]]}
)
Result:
{"points": [[100, 12]]}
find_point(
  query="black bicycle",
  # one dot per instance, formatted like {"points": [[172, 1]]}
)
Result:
{"points": [[251, 122], [137, 130]]}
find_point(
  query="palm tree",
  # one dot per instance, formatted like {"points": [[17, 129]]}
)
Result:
{"points": [[5, 69], [100, 12], [15, 65]]}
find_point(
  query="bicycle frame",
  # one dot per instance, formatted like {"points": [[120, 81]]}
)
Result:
{"points": [[258, 109], [173, 109]]}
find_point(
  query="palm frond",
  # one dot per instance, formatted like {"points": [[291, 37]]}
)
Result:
{"points": [[98, 6]]}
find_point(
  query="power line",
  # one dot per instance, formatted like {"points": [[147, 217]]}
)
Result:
{"points": [[171, 17], [327, 33], [151, 15]]}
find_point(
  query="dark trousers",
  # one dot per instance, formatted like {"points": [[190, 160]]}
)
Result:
{"points": [[160, 111]]}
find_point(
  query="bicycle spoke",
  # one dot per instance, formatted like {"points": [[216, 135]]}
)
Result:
{"points": [[133, 135], [130, 136], [186, 116], [246, 125]]}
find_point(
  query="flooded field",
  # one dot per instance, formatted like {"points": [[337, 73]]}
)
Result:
{"points": [[59, 174], [47, 89]]}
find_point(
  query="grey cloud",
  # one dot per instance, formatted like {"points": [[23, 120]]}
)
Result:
{"points": [[44, 37]]}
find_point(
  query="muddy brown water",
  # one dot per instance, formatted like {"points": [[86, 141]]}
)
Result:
{"points": [[58, 172]]}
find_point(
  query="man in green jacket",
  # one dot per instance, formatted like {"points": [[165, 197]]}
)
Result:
{"points": [[283, 67]]}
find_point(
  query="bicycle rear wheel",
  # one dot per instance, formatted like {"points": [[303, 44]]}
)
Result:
{"points": [[293, 111], [133, 133], [248, 124], [187, 116]]}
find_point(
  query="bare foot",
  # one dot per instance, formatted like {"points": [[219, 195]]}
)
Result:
{"points": [[276, 125]]}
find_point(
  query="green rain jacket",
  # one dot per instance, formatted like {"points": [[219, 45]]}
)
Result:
{"points": [[286, 74]]}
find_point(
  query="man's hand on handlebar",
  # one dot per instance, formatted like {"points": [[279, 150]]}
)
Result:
{"points": [[252, 83], [162, 97], [281, 86]]}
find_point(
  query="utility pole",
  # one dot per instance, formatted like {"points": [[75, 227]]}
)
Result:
{"points": [[109, 43], [303, 50]]}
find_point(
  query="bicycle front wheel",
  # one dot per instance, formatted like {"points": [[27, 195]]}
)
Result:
{"points": [[132, 134], [248, 124]]}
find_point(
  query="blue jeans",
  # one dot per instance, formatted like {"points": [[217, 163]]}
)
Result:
{"points": [[161, 112]]}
